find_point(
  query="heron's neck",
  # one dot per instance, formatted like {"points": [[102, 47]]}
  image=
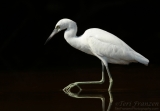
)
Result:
{"points": [[71, 38], [70, 32]]}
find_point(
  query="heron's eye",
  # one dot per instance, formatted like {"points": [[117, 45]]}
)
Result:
{"points": [[57, 27]]}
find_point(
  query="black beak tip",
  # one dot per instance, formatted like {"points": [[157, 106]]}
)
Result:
{"points": [[52, 34], [47, 41]]}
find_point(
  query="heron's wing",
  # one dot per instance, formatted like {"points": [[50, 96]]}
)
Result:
{"points": [[105, 44], [111, 51], [106, 37]]}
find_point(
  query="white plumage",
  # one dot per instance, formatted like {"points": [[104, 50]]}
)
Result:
{"points": [[102, 44]]}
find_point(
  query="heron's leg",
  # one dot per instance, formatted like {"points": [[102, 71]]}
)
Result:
{"points": [[94, 82], [110, 78], [103, 77], [67, 88]]}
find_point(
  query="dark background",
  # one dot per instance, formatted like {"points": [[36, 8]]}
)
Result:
{"points": [[26, 24], [32, 75]]}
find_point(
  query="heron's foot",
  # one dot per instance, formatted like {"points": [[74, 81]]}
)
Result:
{"points": [[70, 86]]}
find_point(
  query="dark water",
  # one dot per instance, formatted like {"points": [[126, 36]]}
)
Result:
{"points": [[134, 89]]}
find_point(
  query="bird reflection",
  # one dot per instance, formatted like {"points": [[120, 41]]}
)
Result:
{"points": [[92, 96]]}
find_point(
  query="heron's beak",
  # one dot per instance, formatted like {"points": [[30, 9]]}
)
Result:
{"points": [[52, 34]]}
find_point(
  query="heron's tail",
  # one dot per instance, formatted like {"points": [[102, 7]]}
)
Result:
{"points": [[141, 59]]}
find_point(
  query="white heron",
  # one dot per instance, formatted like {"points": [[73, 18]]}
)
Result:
{"points": [[100, 43]]}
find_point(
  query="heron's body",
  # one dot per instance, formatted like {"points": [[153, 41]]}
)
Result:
{"points": [[102, 44], [98, 42]]}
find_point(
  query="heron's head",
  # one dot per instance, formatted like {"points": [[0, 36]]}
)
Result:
{"points": [[61, 25]]}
